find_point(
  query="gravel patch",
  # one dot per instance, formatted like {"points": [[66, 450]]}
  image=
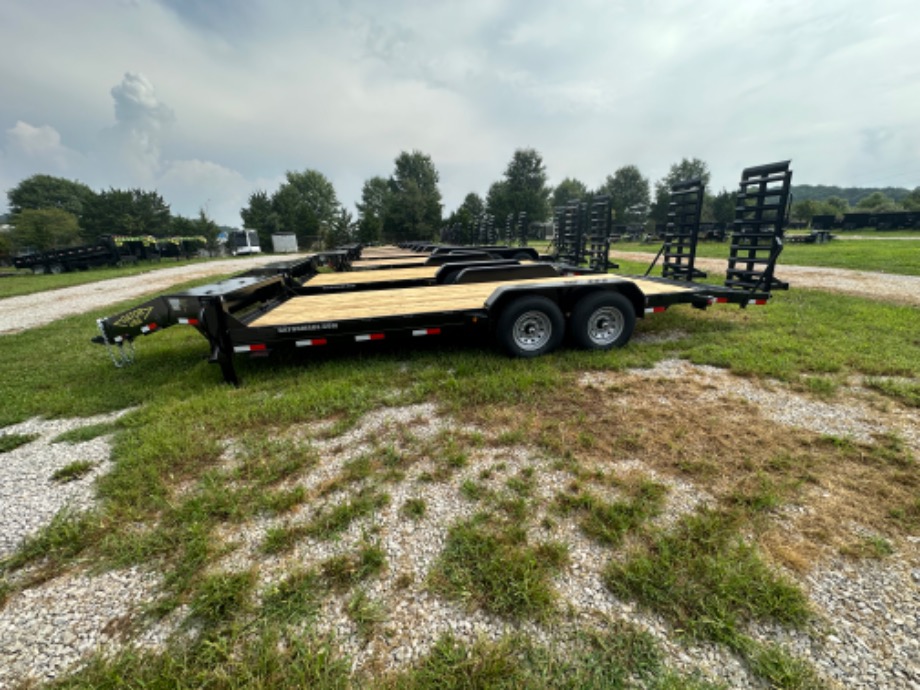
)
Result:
{"points": [[28, 495], [870, 611], [30, 311]]}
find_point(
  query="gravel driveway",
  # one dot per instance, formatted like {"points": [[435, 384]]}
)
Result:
{"points": [[30, 311]]}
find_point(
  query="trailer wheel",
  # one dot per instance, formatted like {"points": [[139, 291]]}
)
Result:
{"points": [[38, 269], [602, 320], [530, 327], [57, 269]]}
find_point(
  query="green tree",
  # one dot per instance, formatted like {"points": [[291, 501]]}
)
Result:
{"points": [[43, 192], [686, 169], [912, 201], [805, 210], [629, 194], [340, 231], [413, 209], [723, 207], [42, 229], [498, 200], [838, 206], [876, 202], [526, 186], [570, 188], [305, 204], [207, 228], [126, 212], [261, 217], [372, 209], [465, 218]]}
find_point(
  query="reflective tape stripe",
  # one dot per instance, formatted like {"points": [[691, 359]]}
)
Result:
{"points": [[149, 328], [427, 331], [190, 322], [311, 343], [655, 310], [249, 348], [757, 301], [369, 336]]}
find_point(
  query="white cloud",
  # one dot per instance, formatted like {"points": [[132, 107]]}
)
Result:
{"points": [[209, 102]]}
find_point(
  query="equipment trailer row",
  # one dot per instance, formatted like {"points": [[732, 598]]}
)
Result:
{"points": [[527, 307]]}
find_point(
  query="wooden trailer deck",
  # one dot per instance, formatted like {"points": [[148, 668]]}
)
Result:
{"points": [[423, 300], [354, 277], [417, 260]]}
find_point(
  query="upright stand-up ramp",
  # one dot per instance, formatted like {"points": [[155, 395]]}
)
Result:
{"points": [[757, 235]]}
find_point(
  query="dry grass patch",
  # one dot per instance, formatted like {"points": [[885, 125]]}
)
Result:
{"points": [[807, 492]]}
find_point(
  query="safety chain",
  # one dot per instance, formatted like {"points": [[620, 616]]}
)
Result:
{"points": [[120, 355]]}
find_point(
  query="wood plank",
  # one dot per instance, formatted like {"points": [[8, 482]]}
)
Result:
{"points": [[354, 277], [419, 300]]}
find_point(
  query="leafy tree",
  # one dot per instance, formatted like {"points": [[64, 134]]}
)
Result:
{"points": [[805, 210], [126, 212], [629, 194], [838, 206], [912, 201], [465, 218], [305, 203], [207, 228], [340, 231], [526, 185], [474, 204], [41, 192], [569, 189], [372, 209], [413, 209], [723, 207], [42, 229], [261, 217], [498, 200], [877, 201], [686, 169]]}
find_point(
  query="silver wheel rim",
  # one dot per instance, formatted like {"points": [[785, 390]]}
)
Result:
{"points": [[532, 330], [605, 325]]}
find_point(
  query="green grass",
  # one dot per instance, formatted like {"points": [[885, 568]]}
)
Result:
{"points": [[493, 567], [10, 442], [86, 433], [293, 599], [607, 522], [73, 471], [882, 255], [706, 580]]}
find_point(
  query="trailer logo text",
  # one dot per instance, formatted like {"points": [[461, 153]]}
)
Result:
{"points": [[134, 318], [329, 325]]}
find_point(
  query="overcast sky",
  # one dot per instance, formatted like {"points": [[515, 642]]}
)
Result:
{"points": [[207, 101]]}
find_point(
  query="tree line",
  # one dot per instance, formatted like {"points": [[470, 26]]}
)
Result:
{"points": [[52, 212], [48, 211]]}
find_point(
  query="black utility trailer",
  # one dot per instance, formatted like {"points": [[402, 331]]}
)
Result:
{"points": [[107, 251]]}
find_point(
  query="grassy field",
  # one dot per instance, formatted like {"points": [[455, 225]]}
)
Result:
{"points": [[885, 255], [24, 283], [178, 499]]}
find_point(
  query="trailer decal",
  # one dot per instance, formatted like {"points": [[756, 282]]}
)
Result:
{"points": [[134, 318], [308, 327]]}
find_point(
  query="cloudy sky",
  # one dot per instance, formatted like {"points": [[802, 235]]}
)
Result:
{"points": [[209, 100]]}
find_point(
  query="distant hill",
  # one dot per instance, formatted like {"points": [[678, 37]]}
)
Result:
{"points": [[820, 192]]}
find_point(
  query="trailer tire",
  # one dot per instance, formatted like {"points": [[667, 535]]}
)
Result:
{"points": [[57, 269], [530, 326], [38, 269], [602, 320]]}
